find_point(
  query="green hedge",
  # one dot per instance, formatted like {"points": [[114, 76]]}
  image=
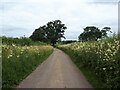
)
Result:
{"points": [[103, 57], [20, 41]]}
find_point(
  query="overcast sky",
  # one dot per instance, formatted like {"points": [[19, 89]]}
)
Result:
{"points": [[22, 17]]}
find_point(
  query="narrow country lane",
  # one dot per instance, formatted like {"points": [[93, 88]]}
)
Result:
{"points": [[58, 71]]}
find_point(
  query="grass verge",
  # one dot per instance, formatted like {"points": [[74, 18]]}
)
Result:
{"points": [[87, 72], [18, 62]]}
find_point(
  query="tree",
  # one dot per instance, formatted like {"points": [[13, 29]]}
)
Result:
{"points": [[93, 33], [52, 32], [104, 31], [39, 34], [90, 33]]}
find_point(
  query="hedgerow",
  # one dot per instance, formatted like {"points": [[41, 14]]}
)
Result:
{"points": [[103, 57], [19, 61]]}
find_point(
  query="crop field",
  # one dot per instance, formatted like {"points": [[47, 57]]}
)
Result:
{"points": [[102, 57], [19, 61]]}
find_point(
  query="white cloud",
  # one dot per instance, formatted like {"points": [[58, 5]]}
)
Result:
{"points": [[26, 16]]}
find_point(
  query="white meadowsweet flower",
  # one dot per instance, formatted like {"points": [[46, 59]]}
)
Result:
{"points": [[10, 55], [108, 50], [106, 54], [104, 68], [18, 56], [13, 45]]}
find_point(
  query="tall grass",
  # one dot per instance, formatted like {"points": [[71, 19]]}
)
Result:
{"points": [[101, 57], [19, 61]]}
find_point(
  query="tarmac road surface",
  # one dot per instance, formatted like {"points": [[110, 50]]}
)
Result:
{"points": [[58, 71]]}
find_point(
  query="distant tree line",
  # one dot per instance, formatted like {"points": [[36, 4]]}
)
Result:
{"points": [[53, 31], [22, 41], [68, 41]]}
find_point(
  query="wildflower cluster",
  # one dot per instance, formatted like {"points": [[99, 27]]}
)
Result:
{"points": [[13, 50], [20, 61], [103, 57]]}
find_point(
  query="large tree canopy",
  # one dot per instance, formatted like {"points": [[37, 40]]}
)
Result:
{"points": [[93, 33], [52, 32]]}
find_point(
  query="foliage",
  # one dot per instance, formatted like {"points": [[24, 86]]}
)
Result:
{"points": [[39, 34], [93, 33], [50, 33], [20, 41], [20, 61], [103, 57], [68, 41], [104, 31]]}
